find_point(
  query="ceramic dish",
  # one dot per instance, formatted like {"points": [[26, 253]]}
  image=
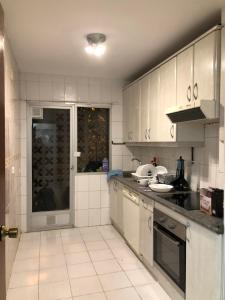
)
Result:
{"points": [[161, 188]]}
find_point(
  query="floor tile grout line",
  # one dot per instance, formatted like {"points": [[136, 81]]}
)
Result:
{"points": [[67, 271]]}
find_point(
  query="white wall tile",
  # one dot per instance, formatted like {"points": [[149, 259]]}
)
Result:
{"points": [[23, 129], [104, 183], [82, 85], [71, 89], [117, 162], [46, 91], [23, 209], [23, 90], [105, 217], [94, 90], [104, 199], [24, 186], [106, 91], [23, 147], [81, 218], [81, 200], [94, 217], [58, 85], [117, 113], [117, 130], [94, 199], [23, 110], [94, 183], [81, 183], [23, 223], [33, 90], [23, 167]]}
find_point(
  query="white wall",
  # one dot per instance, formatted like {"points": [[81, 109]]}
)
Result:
{"points": [[93, 209]]}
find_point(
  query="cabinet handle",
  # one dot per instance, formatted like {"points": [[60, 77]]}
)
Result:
{"points": [[189, 93], [149, 135], [149, 223], [172, 131], [188, 232], [146, 134], [195, 91]]}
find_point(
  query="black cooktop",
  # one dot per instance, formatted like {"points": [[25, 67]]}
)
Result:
{"points": [[189, 201]]}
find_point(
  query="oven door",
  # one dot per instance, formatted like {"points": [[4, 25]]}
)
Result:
{"points": [[170, 254]]}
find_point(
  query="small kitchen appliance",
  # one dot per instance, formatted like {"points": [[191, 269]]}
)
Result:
{"points": [[211, 201]]}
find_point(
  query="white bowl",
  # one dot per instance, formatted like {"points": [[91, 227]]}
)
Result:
{"points": [[161, 188], [161, 170]]}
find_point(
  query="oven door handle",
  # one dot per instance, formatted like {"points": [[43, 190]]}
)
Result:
{"points": [[169, 238]]}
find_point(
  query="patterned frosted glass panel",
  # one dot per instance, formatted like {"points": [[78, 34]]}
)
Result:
{"points": [[93, 138], [51, 160]]}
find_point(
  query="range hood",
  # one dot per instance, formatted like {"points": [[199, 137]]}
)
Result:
{"points": [[201, 110]]}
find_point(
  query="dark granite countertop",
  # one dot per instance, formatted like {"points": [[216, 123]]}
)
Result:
{"points": [[212, 223]]}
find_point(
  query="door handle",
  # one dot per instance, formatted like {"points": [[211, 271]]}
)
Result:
{"points": [[12, 233], [72, 167]]}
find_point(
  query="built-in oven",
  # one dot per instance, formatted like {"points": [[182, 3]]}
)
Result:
{"points": [[170, 247]]}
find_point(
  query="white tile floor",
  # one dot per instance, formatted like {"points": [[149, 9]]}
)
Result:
{"points": [[90, 263]]}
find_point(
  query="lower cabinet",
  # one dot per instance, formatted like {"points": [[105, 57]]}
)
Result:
{"points": [[116, 204], [146, 232], [131, 219], [203, 263]]}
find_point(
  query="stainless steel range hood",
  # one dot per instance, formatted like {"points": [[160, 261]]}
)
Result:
{"points": [[202, 110]]}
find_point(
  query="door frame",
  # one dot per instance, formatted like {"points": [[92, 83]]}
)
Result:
{"points": [[2, 157], [53, 105]]}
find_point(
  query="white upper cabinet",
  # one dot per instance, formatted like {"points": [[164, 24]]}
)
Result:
{"points": [[205, 68], [167, 98], [184, 78], [126, 106], [144, 109], [180, 83], [197, 72], [153, 110], [131, 108]]}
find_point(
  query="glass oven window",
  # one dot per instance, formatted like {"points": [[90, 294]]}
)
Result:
{"points": [[170, 253]]}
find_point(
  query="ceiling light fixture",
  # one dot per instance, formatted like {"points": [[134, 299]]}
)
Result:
{"points": [[96, 44]]}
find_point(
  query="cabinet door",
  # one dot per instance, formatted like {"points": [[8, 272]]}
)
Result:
{"points": [[204, 68], [134, 117], [113, 200], [154, 79], [167, 98], [203, 264], [126, 115], [120, 207], [146, 234], [144, 108], [185, 78]]}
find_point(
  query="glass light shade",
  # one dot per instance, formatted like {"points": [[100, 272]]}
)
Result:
{"points": [[97, 50]]}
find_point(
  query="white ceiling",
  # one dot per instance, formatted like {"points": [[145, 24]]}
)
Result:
{"points": [[48, 36]]}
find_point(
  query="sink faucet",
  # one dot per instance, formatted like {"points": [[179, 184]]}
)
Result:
{"points": [[134, 158]]}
